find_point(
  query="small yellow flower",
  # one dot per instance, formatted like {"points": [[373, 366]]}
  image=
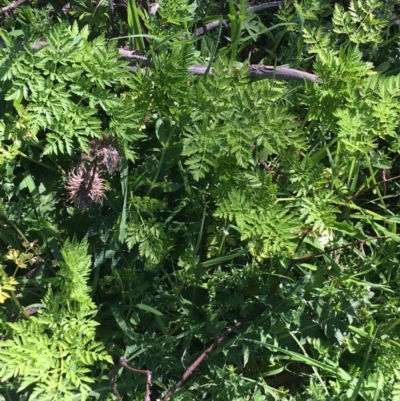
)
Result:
{"points": [[21, 259]]}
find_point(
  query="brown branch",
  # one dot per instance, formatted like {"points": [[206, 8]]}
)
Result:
{"points": [[270, 72], [133, 56], [113, 384], [124, 364], [255, 71], [5, 11], [261, 7], [215, 343], [371, 187]]}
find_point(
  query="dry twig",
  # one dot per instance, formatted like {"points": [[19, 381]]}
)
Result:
{"points": [[124, 364], [7, 10]]}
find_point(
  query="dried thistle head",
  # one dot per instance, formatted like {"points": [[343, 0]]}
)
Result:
{"points": [[85, 186], [105, 153]]}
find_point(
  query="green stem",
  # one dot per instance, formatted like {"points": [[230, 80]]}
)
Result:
{"points": [[16, 228], [164, 149], [19, 306], [374, 181], [35, 161]]}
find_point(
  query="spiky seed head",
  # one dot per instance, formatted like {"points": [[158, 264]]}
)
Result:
{"points": [[85, 186]]}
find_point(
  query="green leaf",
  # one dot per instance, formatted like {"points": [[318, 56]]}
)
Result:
{"points": [[119, 319], [148, 308]]}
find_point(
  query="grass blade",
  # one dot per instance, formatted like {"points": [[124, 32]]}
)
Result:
{"points": [[134, 28], [124, 185], [337, 372]]}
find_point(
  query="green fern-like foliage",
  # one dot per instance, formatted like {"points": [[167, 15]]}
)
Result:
{"points": [[264, 125], [224, 183], [359, 23], [66, 89], [52, 353]]}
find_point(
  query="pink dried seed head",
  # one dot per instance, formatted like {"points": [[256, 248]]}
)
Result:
{"points": [[84, 187]]}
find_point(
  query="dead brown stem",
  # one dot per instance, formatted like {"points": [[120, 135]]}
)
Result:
{"points": [[7, 10], [124, 364]]}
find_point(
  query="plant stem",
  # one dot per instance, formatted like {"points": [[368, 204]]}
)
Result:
{"points": [[164, 149]]}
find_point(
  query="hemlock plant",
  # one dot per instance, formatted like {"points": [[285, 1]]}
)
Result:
{"points": [[152, 199]]}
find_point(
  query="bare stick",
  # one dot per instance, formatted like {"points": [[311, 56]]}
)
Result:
{"points": [[261, 7], [270, 72], [124, 364], [113, 384], [257, 72], [132, 55], [203, 355], [371, 187], [5, 11]]}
